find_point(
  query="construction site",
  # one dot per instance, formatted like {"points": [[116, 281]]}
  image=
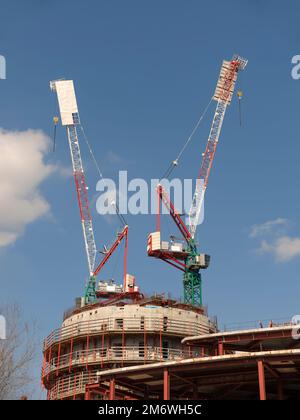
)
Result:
{"points": [[117, 343]]}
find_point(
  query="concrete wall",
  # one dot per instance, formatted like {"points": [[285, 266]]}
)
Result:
{"points": [[156, 317]]}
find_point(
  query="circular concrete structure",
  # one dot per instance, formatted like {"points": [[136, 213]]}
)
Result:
{"points": [[97, 338]]}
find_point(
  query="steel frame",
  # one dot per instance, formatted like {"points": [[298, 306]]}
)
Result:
{"points": [[82, 196], [120, 237], [210, 150]]}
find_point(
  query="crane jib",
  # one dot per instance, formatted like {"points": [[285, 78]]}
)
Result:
{"points": [[82, 196], [223, 95]]}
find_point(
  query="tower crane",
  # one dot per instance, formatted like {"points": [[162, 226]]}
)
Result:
{"points": [[70, 119], [187, 257]]}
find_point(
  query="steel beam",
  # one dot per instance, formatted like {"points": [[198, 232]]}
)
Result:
{"points": [[112, 389], [166, 385], [261, 380]]}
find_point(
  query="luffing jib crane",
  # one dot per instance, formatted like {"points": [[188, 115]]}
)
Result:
{"points": [[70, 119], [187, 257]]}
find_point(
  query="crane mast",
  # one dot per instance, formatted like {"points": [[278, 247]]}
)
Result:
{"points": [[81, 188], [70, 119]]}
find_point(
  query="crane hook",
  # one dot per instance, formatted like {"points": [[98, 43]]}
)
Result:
{"points": [[55, 121], [240, 96]]}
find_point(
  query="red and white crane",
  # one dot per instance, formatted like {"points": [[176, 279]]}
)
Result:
{"points": [[70, 119], [187, 258]]}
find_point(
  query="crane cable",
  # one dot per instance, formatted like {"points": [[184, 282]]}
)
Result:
{"points": [[91, 152], [176, 161], [240, 96], [55, 122], [54, 134], [120, 216]]}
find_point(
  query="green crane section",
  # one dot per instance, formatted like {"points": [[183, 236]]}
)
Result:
{"points": [[192, 285]]}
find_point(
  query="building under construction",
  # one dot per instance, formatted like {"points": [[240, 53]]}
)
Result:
{"points": [[99, 337], [117, 343]]}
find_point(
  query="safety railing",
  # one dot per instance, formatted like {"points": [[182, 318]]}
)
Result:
{"points": [[116, 354], [71, 385], [264, 323], [162, 325]]}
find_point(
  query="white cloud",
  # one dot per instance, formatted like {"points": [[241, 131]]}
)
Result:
{"points": [[283, 249], [267, 227], [22, 170]]}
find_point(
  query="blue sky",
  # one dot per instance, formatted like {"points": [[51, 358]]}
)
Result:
{"points": [[143, 72]]}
